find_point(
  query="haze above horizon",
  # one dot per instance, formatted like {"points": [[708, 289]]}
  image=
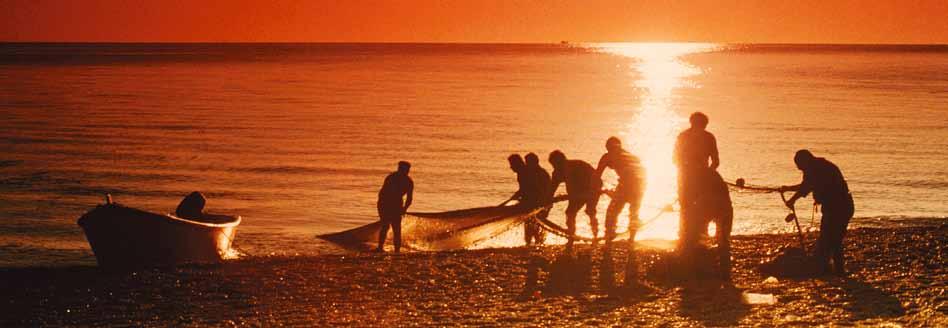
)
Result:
{"points": [[467, 21]]}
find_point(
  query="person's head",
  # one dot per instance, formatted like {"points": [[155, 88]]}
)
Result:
{"points": [[516, 162], [698, 120], [557, 158], [613, 144], [404, 167], [532, 159], [803, 158]]}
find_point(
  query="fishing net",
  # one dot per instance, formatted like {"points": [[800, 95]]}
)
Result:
{"points": [[438, 231], [463, 229], [468, 228]]}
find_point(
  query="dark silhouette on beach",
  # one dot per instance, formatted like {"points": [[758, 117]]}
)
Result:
{"points": [[533, 182], [702, 192], [629, 190], [696, 155], [544, 197], [583, 189], [390, 204], [825, 181]]}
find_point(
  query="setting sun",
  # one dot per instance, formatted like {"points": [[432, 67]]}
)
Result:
{"points": [[652, 130]]}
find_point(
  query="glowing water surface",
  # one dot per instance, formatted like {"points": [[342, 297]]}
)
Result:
{"points": [[652, 130], [296, 138]]}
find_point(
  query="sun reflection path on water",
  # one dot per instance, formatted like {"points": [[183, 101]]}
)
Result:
{"points": [[650, 134]]}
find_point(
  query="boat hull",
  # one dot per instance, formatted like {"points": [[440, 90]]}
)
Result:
{"points": [[126, 237]]}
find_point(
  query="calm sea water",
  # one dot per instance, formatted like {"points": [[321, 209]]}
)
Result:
{"points": [[297, 138]]}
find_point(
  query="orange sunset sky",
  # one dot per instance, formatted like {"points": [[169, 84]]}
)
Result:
{"points": [[771, 21]]}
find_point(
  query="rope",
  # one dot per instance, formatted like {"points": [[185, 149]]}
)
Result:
{"points": [[559, 230], [741, 186]]}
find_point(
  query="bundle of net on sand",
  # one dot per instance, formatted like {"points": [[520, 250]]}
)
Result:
{"points": [[438, 231]]}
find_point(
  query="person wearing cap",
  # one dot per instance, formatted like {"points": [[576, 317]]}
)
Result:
{"points": [[825, 181], [696, 155], [394, 199], [629, 190], [583, 188]]}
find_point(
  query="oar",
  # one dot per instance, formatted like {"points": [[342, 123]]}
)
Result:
{"points": [[793, 217]]}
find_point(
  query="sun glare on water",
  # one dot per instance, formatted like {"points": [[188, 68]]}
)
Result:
{"points": [[650, 133]]}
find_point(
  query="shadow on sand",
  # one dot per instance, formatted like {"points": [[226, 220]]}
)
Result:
{"points": [[90, 296], [861, 300], [713, 303]]}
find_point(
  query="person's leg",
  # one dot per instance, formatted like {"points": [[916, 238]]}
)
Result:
{"points": [[722, 227], [838, 261], [527, 232], [836, 217], [383, 233], [591, 210], [571, 210], [631, 268], [397, 232], [832, 244], [612, 215], [824, 244], [540, 234]]}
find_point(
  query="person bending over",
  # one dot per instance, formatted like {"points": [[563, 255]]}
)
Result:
{"points": [[825, 181], [528, 195], [583, 188], [629, 190], [392, 206]]}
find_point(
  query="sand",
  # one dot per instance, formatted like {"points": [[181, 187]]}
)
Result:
{"points": [[897, 278]]}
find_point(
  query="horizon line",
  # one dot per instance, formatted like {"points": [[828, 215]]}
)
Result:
{"points": [[566, 42]]}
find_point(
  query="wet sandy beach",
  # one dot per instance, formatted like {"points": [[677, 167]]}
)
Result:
{"points": [[897, 276]]}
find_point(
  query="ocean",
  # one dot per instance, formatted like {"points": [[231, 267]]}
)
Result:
{"points": [[297, 138]]}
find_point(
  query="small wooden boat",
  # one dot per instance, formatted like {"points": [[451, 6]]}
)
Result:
{"points": [[121, 236]]}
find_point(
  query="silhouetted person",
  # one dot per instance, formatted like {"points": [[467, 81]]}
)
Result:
{"points": [[541, 180], [523, 180], [629, 190], [390, 205], [583, 188], [696, 155], [829, 188], [529, 195], [192, 206]]}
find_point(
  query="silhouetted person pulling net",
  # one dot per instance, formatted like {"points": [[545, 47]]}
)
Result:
{"points": [[544, 196], [696, 155], [391, 206], [629, 190], [583, 188], [825, 181], [534, 185], [704, 198]]}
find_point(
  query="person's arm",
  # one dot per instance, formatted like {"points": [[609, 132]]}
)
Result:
{"points": [[603, 164], [517, 195], [410, 194], [802, 190], [715, 161], [555, 181]]}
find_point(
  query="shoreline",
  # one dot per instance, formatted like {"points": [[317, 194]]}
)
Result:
{"points": [[896, 275]]}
